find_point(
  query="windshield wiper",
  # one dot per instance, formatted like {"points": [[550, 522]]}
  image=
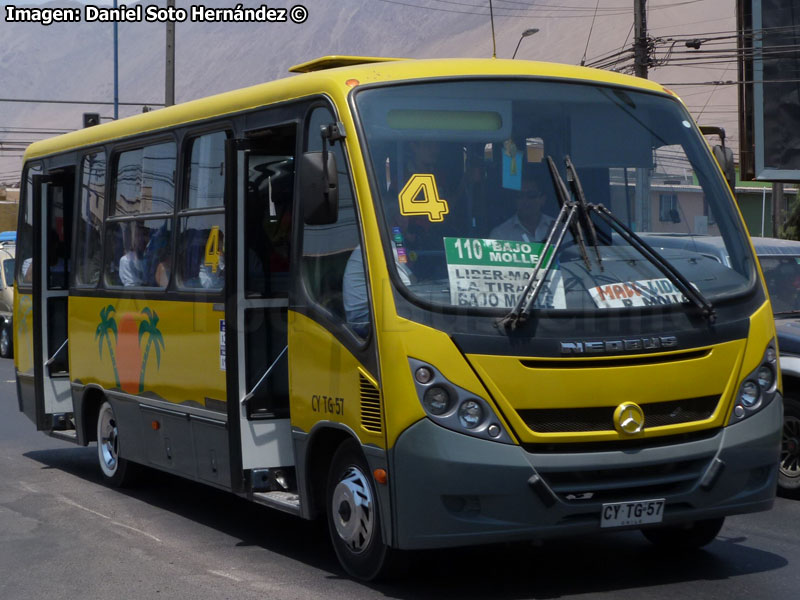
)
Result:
{"points": [[694, 295], [573, 214], [570, 216]]}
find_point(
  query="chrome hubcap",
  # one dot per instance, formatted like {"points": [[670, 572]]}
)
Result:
{"points": [[790, 447], [353, 510], [109, 445]]}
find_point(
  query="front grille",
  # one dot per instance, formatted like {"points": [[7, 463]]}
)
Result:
{"points": [[601, 418], [614, 483]]}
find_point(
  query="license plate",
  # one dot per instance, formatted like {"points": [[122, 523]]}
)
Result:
{"points": [[623, 514]]}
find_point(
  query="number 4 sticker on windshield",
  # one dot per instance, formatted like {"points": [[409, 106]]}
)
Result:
{"points": [[420, 197]]}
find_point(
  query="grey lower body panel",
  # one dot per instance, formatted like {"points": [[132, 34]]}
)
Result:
{"points": [[453, 489]]}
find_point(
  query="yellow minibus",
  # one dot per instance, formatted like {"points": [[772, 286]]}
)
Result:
{"points": [[413, 297]]}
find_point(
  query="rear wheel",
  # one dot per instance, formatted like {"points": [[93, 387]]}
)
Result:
{"points": [[685, 536], [354, 520], [116, 470], [6, 344], [789, 472]]}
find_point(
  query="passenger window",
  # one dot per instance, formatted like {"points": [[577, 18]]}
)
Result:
{"points": [[201, 252], [24, 249], [145, 180], [201, 237], [139, 253], [58, 235], [268, 214], [88, 248], [333, 262], [207, 171], [138, 248]]}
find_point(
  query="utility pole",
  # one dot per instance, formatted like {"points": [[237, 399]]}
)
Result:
{"points": [[641, 60], [640, 45], [116, 68], [169, 84]]}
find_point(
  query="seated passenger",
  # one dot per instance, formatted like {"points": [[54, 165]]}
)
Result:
{"points": [[529, 224], [131, 265], [354, 290]]}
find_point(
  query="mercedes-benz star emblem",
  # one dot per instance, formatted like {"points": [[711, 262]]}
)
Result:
{"points": [[629, 418]]}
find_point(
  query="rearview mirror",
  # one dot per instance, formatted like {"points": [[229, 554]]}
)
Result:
{"points": [[319, 191], [723, 154]]}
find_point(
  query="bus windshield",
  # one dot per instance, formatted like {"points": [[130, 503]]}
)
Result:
{"points": [[461, 176]]}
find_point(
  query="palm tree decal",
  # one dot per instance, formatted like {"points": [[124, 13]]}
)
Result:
{"points": [[155, 340], [107, 324]]}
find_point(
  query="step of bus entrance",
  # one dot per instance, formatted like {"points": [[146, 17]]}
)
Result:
{"points": [[285, 501]]}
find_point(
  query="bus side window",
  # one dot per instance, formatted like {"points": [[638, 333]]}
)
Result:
{"points": [[24, 249], [201, 234], [333, 265], [88, 247], [139, 227]]}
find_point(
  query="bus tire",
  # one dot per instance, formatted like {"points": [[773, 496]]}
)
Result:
{"points": [[354, 520], [115, 470], [789, 468], [685, 536]]}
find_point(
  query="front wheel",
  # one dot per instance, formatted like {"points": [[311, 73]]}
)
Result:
{"points": [[354, 520], [789, 472], [685, 536], [116, 470]]}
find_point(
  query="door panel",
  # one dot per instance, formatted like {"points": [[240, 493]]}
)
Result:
{"points": [[52, 212], [256, 349]]}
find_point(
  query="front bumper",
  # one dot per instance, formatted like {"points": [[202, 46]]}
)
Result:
{"points": [[452, 489]]}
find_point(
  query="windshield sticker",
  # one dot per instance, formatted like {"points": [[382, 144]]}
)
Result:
{"points": [[644, 292], [420, 196], [493, 273]]}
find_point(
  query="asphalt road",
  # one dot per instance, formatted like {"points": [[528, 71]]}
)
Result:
{"points": [[63, 534]]}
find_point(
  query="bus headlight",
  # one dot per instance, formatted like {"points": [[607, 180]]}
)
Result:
{"points": [[470, 414], [749, 394], [765, 377], [759, 387], [455, 408], [436, 400]]}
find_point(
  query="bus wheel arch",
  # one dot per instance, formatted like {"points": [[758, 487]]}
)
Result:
{"points": [[93, 398], [323, 446], [354, 514], [789, 471], [115, 470]]}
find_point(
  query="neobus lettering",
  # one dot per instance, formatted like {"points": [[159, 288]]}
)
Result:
{"points": [[43, 16]]}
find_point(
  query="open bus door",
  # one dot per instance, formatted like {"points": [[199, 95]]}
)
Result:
{"points": [[256, 319], [51, 206]]}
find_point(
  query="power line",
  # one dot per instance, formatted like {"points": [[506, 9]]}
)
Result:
{"points": [[85, 102]]}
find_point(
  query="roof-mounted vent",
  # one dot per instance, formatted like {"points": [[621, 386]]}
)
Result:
{"points": [[335, 61]]}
